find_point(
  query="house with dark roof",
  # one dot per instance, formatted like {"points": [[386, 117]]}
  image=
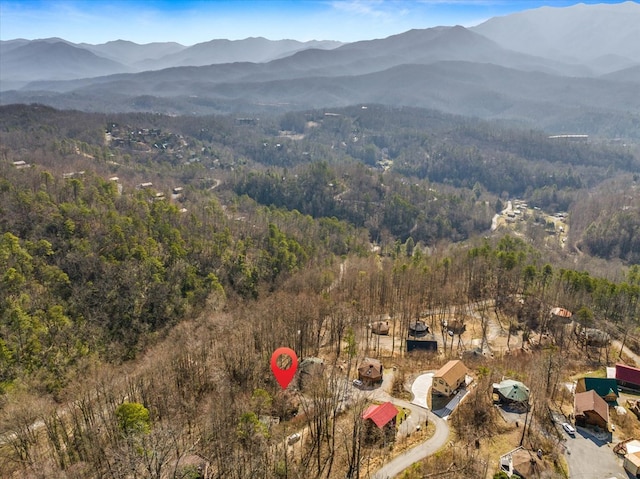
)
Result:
{"points": [[428, 343], [606, 388], [380, 422], [370, 372], [591, 409], [628, 376], [310, 372], [449, 378]]}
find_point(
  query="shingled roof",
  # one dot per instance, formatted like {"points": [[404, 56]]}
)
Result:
{"points": [[370, 369], [451, 372], [590, 401]]}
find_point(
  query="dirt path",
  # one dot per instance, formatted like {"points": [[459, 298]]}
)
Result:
{"points": [[617, 345]]}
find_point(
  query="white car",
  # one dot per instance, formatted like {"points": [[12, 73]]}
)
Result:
{"points": [[569, 428], [357, 383], [295, 437]]}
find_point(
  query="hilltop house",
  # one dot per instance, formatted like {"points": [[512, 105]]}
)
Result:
{"points": [[561, 315], [449, 378]]}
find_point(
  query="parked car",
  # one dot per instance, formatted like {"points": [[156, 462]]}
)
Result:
{"points": [[569, 428], [295, 437], [357, 383]]}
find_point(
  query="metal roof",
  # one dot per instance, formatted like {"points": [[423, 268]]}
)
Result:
{"points": [[380, 415]]}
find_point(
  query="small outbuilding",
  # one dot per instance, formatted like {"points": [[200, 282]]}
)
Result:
{"points": [[631, 452], [370, 372], [632, 464], [380, 327]]}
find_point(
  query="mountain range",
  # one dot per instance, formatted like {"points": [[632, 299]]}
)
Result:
{"points": [[564, 69], [23, 61]]}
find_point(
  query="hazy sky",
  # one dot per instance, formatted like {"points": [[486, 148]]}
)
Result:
{"points": [[193, 21]]}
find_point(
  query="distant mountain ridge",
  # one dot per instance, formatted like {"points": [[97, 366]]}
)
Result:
{"points": [[580, 34], [130, 53], [23, 61], [60, 60], [494, 70]]}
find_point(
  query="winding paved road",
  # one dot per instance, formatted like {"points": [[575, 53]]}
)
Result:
{"points": [[415, 454], [416, 418]]}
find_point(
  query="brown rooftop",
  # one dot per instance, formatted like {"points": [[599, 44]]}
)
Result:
{"points": [[370, 369], [452, 371], [590, 401]]}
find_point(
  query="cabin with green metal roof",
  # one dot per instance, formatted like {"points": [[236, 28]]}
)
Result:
{"points": [[606, 388]]}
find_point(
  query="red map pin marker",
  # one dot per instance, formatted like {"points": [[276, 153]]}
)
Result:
{"points": [[284, 376]]}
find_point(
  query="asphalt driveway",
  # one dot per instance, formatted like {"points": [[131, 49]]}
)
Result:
{"points": [[590, 458]]}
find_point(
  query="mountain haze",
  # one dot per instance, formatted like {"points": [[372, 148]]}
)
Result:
{"points": [[580, 77], [256, 50], [130, 53], [23, 61], [60, 60], [582, 34]]}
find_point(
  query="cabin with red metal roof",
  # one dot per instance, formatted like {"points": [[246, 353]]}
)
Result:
{"points": [[380, 422]]}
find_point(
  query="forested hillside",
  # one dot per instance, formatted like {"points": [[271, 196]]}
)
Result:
{"points": [[206, 242]]}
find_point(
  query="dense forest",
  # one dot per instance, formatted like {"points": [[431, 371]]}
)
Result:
{"points": [[213, 240]]}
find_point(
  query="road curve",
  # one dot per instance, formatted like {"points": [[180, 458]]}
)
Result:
{"points": [[416, 453], [416, 418]]}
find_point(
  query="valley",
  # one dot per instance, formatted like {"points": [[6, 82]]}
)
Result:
{"points": [[442, 225], [239, 239]]}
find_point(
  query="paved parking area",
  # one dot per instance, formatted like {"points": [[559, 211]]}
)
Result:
{"points": [[590, 458]]}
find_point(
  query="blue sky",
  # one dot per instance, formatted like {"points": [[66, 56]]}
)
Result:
{"points": [[193, 21]]}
